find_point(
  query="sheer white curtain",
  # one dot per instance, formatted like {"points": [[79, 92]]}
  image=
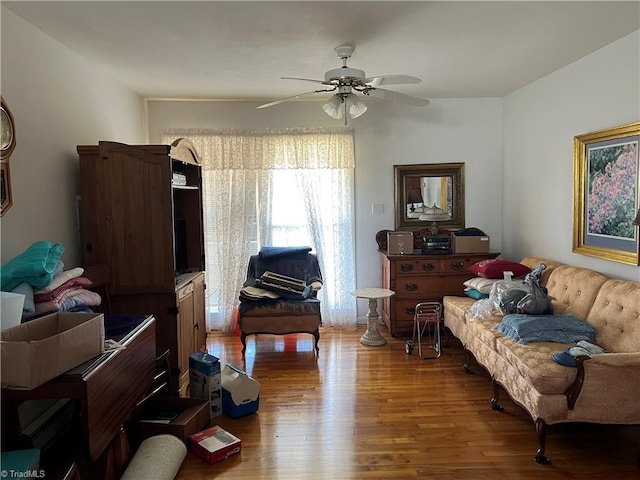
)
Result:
{"points": [[276, 188]]}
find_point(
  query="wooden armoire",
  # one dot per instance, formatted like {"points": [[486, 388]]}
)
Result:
{"points": [[141, 214]]}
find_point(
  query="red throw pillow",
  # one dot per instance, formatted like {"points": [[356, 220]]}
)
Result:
{"points": [[495, 267]]}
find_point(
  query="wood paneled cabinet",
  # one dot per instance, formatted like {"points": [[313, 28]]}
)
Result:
{"points": [[149, 231], [192, 333], [421, 278]]}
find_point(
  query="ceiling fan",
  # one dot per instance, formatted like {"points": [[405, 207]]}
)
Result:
{"points": [[347, 82]]}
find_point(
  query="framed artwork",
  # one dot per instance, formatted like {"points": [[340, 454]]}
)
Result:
{"points": [[606, 194]]}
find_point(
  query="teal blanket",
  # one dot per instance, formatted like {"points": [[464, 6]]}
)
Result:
{"points": [[35, 266]]}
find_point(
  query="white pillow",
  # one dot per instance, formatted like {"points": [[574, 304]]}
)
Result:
{"points": [[481, 284]]}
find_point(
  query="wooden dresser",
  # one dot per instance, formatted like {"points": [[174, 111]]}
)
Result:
{"points": [[420, 278]]}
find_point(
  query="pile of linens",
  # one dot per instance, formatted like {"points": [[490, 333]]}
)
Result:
{"points": [[39, 274]]}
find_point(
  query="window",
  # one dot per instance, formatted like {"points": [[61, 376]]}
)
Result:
{"points": [[282, 188]]}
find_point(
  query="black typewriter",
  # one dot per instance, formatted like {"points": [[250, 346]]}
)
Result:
{"points": [[288, 287]]}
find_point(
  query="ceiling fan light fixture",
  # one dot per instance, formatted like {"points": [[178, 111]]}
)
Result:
{"points": [[355, 106], [334, 107]]}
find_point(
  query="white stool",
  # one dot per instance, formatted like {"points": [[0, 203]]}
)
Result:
{"points": [[430, 314]]}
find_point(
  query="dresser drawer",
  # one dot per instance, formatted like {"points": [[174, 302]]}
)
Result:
{"points": [[459, 264], [417, 285], [412, 266], [405, 308], [421, 286]]}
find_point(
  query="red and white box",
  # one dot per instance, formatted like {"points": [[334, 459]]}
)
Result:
{"points": [[214, 444]]}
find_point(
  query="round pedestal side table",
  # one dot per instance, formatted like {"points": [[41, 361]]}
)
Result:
{"points": [[372, 337]]}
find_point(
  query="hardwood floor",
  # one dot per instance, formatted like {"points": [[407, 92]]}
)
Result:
{"points": [[376, 412]]}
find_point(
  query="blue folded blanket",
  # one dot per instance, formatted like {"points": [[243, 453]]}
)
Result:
{"points": [[271, 252], [546, 328], [35, 266]]}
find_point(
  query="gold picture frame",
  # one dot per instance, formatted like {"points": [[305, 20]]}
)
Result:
{"points": [[606, 194]]}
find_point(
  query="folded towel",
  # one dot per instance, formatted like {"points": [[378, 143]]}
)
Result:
{"points": [[53, 294], [81, 298], [35, 266], [587, 347], [60, 278]]}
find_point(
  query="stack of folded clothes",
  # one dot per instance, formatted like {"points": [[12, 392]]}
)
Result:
{"points": [[38, 274], [66, 293]]}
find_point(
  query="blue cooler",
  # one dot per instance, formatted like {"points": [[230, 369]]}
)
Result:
{"points": [[240, 392]]}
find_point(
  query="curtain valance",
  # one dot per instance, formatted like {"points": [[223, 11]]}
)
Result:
{"points": [[295, 148]]}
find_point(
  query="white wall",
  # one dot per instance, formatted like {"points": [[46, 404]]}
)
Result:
{"points": [[599, 91], [58, 101], [448, 130]]}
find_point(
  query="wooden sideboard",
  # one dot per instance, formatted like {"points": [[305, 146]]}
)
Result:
{"points": [[422, 278]]}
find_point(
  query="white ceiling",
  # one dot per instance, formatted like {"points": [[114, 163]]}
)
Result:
{"points": [[239, 49]]}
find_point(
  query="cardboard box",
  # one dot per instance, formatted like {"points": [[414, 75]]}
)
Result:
{"points": [[214, 444], [399, 243], [240, 392], [204, 381], [470, 244], [180, 417], [37, 351]]}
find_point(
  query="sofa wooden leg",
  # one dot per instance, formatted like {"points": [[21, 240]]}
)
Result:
{"points": [[541, 430], [496, 396], [243, 339], [467, 361]]}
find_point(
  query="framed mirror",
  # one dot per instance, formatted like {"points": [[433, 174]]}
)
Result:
{"points": [[419, 188]]}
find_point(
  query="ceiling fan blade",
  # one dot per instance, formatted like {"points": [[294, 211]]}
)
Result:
{"points": [[397, 97], [303, 79], [286, 99], [392, 80]]}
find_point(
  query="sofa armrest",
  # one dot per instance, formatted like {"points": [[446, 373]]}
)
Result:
{"points": [[607, 382]]}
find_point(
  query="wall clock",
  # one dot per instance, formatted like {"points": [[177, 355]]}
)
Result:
{"points": [[7, 144]]}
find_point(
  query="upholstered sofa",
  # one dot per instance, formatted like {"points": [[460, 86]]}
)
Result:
{"points": [[602, 388], [263, 311]]}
